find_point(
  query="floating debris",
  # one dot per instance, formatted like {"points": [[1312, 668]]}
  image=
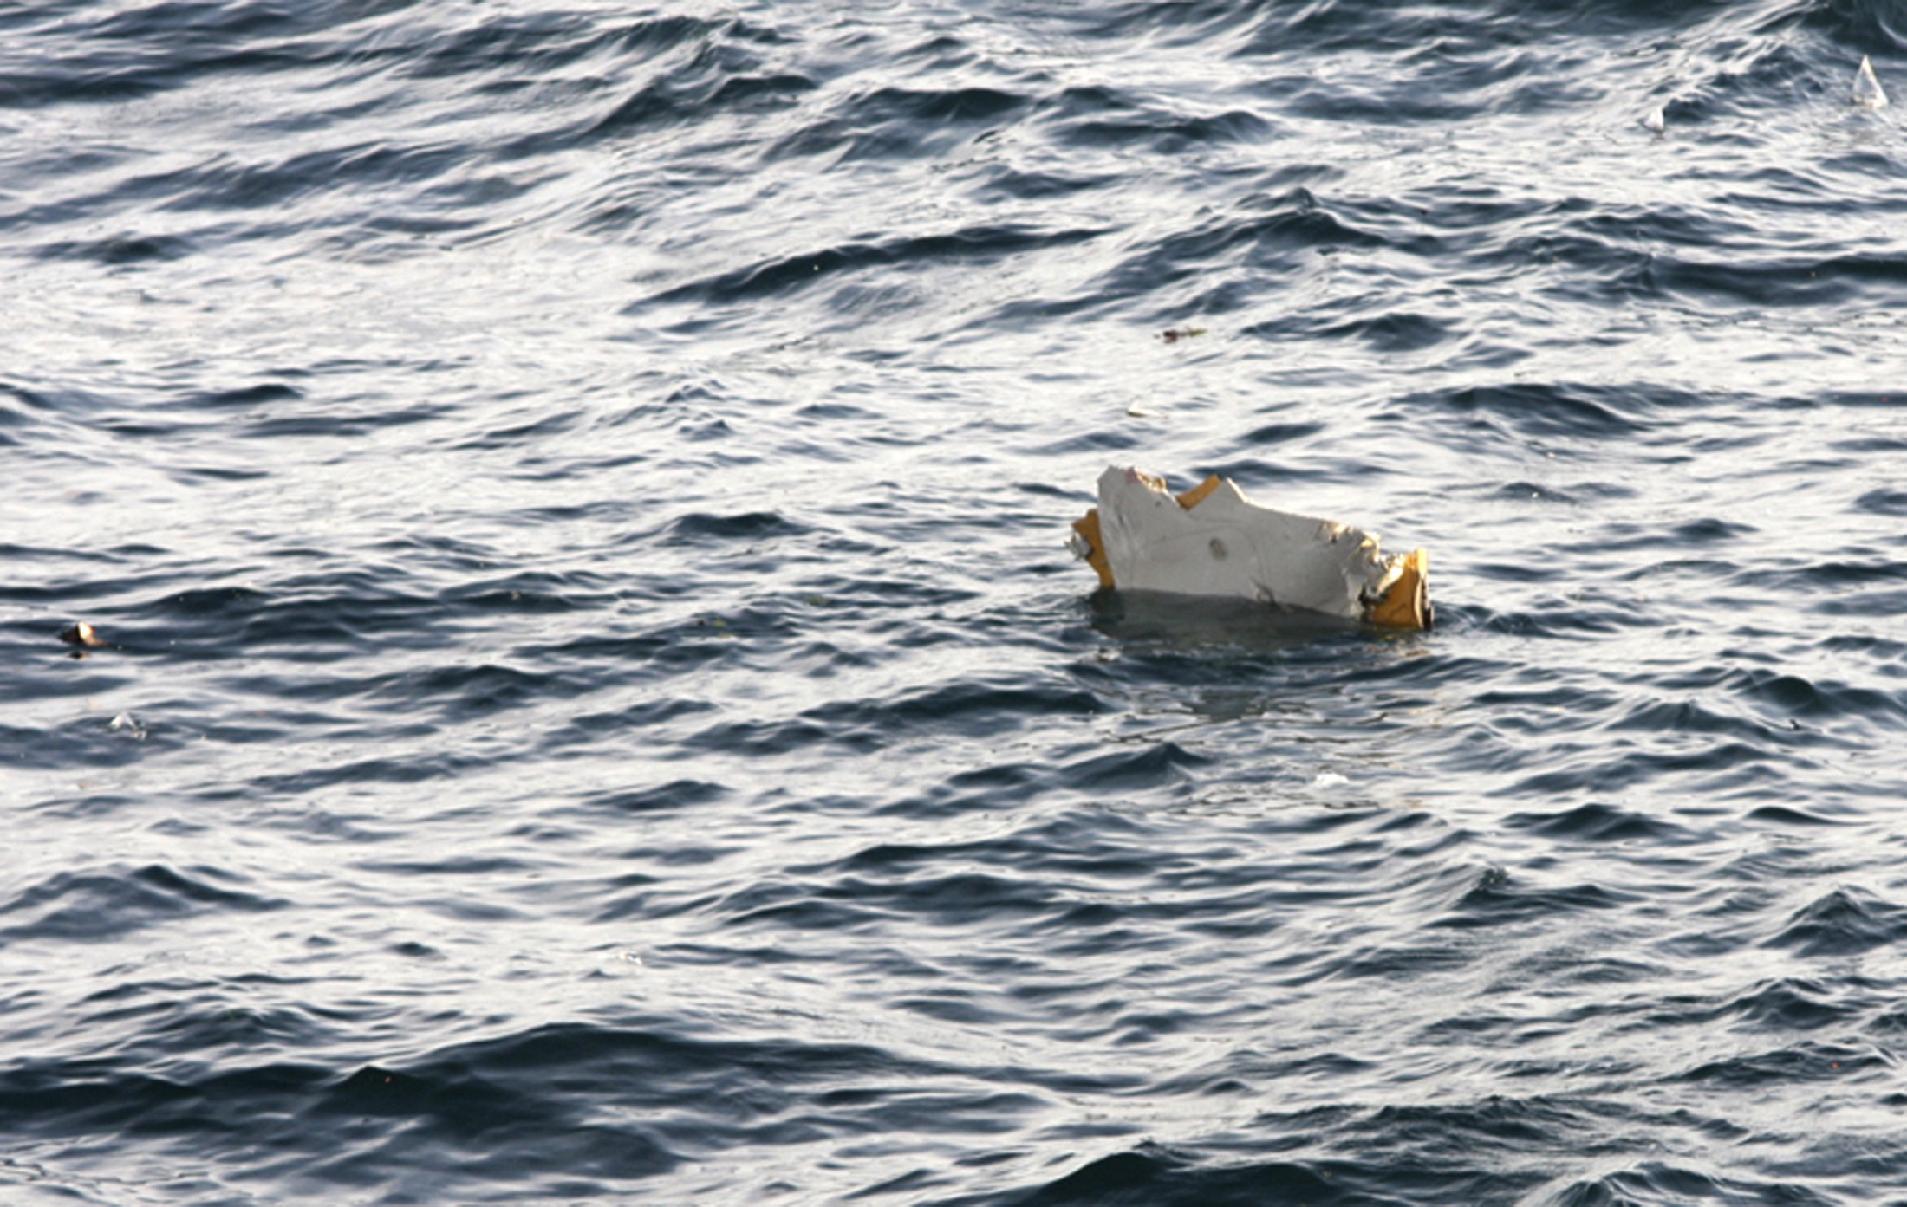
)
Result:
{"points": [[82, 634], [128, 724], [1212, 540], [1173, 335], [1655, 121], [1868, 93]]}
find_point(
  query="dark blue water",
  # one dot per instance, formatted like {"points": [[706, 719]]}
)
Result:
{"points": [[596, 704]]}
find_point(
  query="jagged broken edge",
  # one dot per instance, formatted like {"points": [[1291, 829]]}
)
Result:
{"points": [[1405, 604]]}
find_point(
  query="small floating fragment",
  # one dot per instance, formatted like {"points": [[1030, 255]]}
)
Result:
{"points": [[1173, 335], [82, 634], [1868, 93], [128, 724], [1212, 540], [1655, 121]]}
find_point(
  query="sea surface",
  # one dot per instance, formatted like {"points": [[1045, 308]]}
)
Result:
{"points": [[595, 704]]}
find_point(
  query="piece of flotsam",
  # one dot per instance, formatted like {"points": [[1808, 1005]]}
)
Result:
{"points": [[1868, 93], [1211, 540]]}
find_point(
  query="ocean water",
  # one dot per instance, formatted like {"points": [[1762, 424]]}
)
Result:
{"points": [[596, 705]]}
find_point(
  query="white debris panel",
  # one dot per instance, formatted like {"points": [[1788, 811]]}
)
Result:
{"points": [[1212, 540]]}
